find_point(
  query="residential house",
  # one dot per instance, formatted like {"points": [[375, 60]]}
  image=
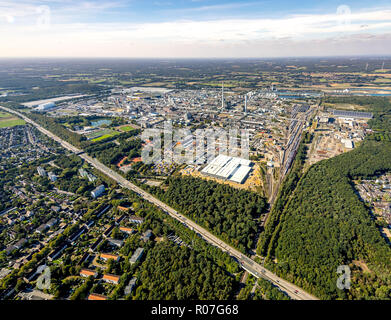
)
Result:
{"points": [[111, 278]]}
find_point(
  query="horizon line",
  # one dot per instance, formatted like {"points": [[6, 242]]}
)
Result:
{"points": [[205, 58]]}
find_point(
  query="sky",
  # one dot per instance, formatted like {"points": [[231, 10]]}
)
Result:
{"points": [[194, 28]]}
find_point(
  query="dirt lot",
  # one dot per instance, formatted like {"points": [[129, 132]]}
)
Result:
{"points": [[252, 183], [325, 147]]}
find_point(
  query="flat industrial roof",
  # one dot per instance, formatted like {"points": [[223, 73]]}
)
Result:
{"points": [[353, 114], [229, 168], [240, 174]]}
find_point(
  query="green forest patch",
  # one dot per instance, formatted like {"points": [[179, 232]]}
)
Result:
{"points": [[180, 273], [324, 225], [227, 212]]}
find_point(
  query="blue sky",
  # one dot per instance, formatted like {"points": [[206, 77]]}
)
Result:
{"points": [[194, 28], [168, 10]]}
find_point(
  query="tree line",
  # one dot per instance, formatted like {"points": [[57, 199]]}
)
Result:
{"points": [[324, 225]]}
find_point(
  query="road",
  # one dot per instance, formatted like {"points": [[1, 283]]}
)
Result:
{"points": [[246, 263]]}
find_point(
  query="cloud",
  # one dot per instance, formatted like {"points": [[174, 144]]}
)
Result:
{"points": [[61, 8], [244, 37], [208, 8]]}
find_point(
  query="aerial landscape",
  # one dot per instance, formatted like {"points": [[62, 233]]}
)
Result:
{"points": [[210, 174]]}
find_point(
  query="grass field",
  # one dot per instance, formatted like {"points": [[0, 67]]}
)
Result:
{"points": [[126, 128], [345, 106], [4, 115], [11, 122], [102, 134], [103, 137], [98, 134]]}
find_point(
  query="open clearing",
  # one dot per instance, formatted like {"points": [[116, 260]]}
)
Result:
{"points": [[8, 121], [103, 137], [101, 134], [125, 128]]}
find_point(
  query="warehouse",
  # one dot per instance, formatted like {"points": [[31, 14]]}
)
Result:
{"points": [[45, 106], [228, 168], [352, 114], [241, 174]]}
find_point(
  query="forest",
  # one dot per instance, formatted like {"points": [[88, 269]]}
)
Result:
{"points": [[110, 153], [53, 90], [227, 212], [58, 129], [180, 273], [324, 225], [284, 193]]}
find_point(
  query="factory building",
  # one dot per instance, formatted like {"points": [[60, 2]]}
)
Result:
{"points": [[229, 168], [352, 114], [348, 143], [45, 106]]}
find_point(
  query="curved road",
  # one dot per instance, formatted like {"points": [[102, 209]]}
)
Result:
{"points": [[246, 263]]}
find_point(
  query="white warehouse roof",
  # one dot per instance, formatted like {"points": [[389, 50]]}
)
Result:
{"points": [[241, 174], [228, 168]]}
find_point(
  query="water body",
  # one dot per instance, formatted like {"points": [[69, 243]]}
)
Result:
{"points": [[386, 94], [373, 94], [300, 95], [305, 95]]}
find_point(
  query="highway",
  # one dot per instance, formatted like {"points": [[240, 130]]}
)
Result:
{"points": [[246, 263]]}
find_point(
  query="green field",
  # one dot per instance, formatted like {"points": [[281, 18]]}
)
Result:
{"points": [[103, 137], [98, 134], [7, 120], [126, 128], [102, 134]]}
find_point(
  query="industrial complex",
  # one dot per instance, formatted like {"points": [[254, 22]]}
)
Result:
{"points": [[229, 168]]}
